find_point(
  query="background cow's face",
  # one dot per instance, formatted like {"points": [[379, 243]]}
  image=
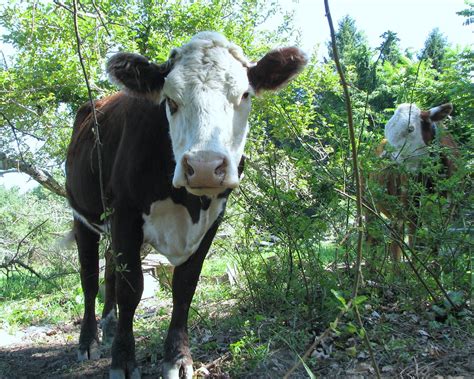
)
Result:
{"points": [[410, 130], [206, 85]]}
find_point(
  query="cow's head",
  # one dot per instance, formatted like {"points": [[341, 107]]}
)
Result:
{"points": [[207, 85], [411, 130]]}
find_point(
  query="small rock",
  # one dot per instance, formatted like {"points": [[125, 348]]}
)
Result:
{"points": [[363, 367], [422, 333], [203, 371], [375, 315]]}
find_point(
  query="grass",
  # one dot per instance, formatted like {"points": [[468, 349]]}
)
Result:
{"points": [[249, 335], [29, 300]]}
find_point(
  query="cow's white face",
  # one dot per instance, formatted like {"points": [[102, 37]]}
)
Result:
{"points": [[410, 130], [206, 86], [207, 96], [403, 132]]}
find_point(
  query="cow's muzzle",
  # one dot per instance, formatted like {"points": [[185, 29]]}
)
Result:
{"points": [[207, 172]]}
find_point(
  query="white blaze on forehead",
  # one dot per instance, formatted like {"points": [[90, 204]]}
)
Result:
{"points": [[208, 79], [408, 146], [207, 62]]}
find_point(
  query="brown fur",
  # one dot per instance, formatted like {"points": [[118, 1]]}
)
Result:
{"points": [[276, 68]]}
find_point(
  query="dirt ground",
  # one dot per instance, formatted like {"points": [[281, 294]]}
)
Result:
{"points": [[406, 349]]}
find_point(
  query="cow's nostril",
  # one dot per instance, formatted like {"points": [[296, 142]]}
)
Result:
{"points": [[221, 169], [188, 168]]}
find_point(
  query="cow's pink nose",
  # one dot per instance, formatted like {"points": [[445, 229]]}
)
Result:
{"points": [[207, 173]]}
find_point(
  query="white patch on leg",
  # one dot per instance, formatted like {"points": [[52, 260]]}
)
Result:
{"points": [[118, 373], [82, 356], [92, 353], [108, 326], [172, 371]]}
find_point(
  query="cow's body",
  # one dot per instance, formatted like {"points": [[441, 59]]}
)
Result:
{"points": [[408, 135], [171, 151]]}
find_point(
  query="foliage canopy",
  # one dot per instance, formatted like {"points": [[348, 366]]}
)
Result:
{"points": [[299, 179]]}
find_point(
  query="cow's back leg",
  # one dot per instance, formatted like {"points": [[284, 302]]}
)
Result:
{"points": [[88, 247], [127, 239], [109, 313], [397, 241], [178, 362]]}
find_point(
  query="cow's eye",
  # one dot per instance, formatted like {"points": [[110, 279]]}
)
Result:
{"points": [[172, 105], [245, 95]]}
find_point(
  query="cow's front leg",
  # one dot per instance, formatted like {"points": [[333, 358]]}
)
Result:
{"points": [[127, 238], [178, 361]]}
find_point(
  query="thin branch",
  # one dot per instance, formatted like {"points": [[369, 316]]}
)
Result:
{"points": [[98, 142], [5, 64], [367, 342], [95, 128], [352, 138], [12, 127], [23, 106], [24, 265], [356, 173], [82, 15], [358, 191], [26, 236], [100, 18]]}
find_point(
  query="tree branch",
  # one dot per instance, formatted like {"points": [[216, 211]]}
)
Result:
{"points": [[352, 138], [41, 176]]}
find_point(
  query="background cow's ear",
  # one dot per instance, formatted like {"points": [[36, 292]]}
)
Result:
{"points": [[277, 68], [136, 74], [441, 112]]}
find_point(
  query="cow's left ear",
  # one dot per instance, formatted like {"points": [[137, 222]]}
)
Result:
{"points": [[441, 112], [137, 74], [276, 68]]}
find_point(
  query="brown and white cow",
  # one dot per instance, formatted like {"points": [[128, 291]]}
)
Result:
{"points": [[172, 151], [408, 135]]}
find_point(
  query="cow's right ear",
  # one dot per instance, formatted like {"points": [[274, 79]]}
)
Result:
{"points": [[440, 112], [137, 75], [277, 68]]}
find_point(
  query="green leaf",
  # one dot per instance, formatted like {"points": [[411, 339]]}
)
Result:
{"points": [[360, 299], [339, 297], [308, 370]]}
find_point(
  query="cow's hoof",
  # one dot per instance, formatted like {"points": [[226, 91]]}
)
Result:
{"points": [[108, 326], [91, 353], [118, 373], [182, 368]]}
